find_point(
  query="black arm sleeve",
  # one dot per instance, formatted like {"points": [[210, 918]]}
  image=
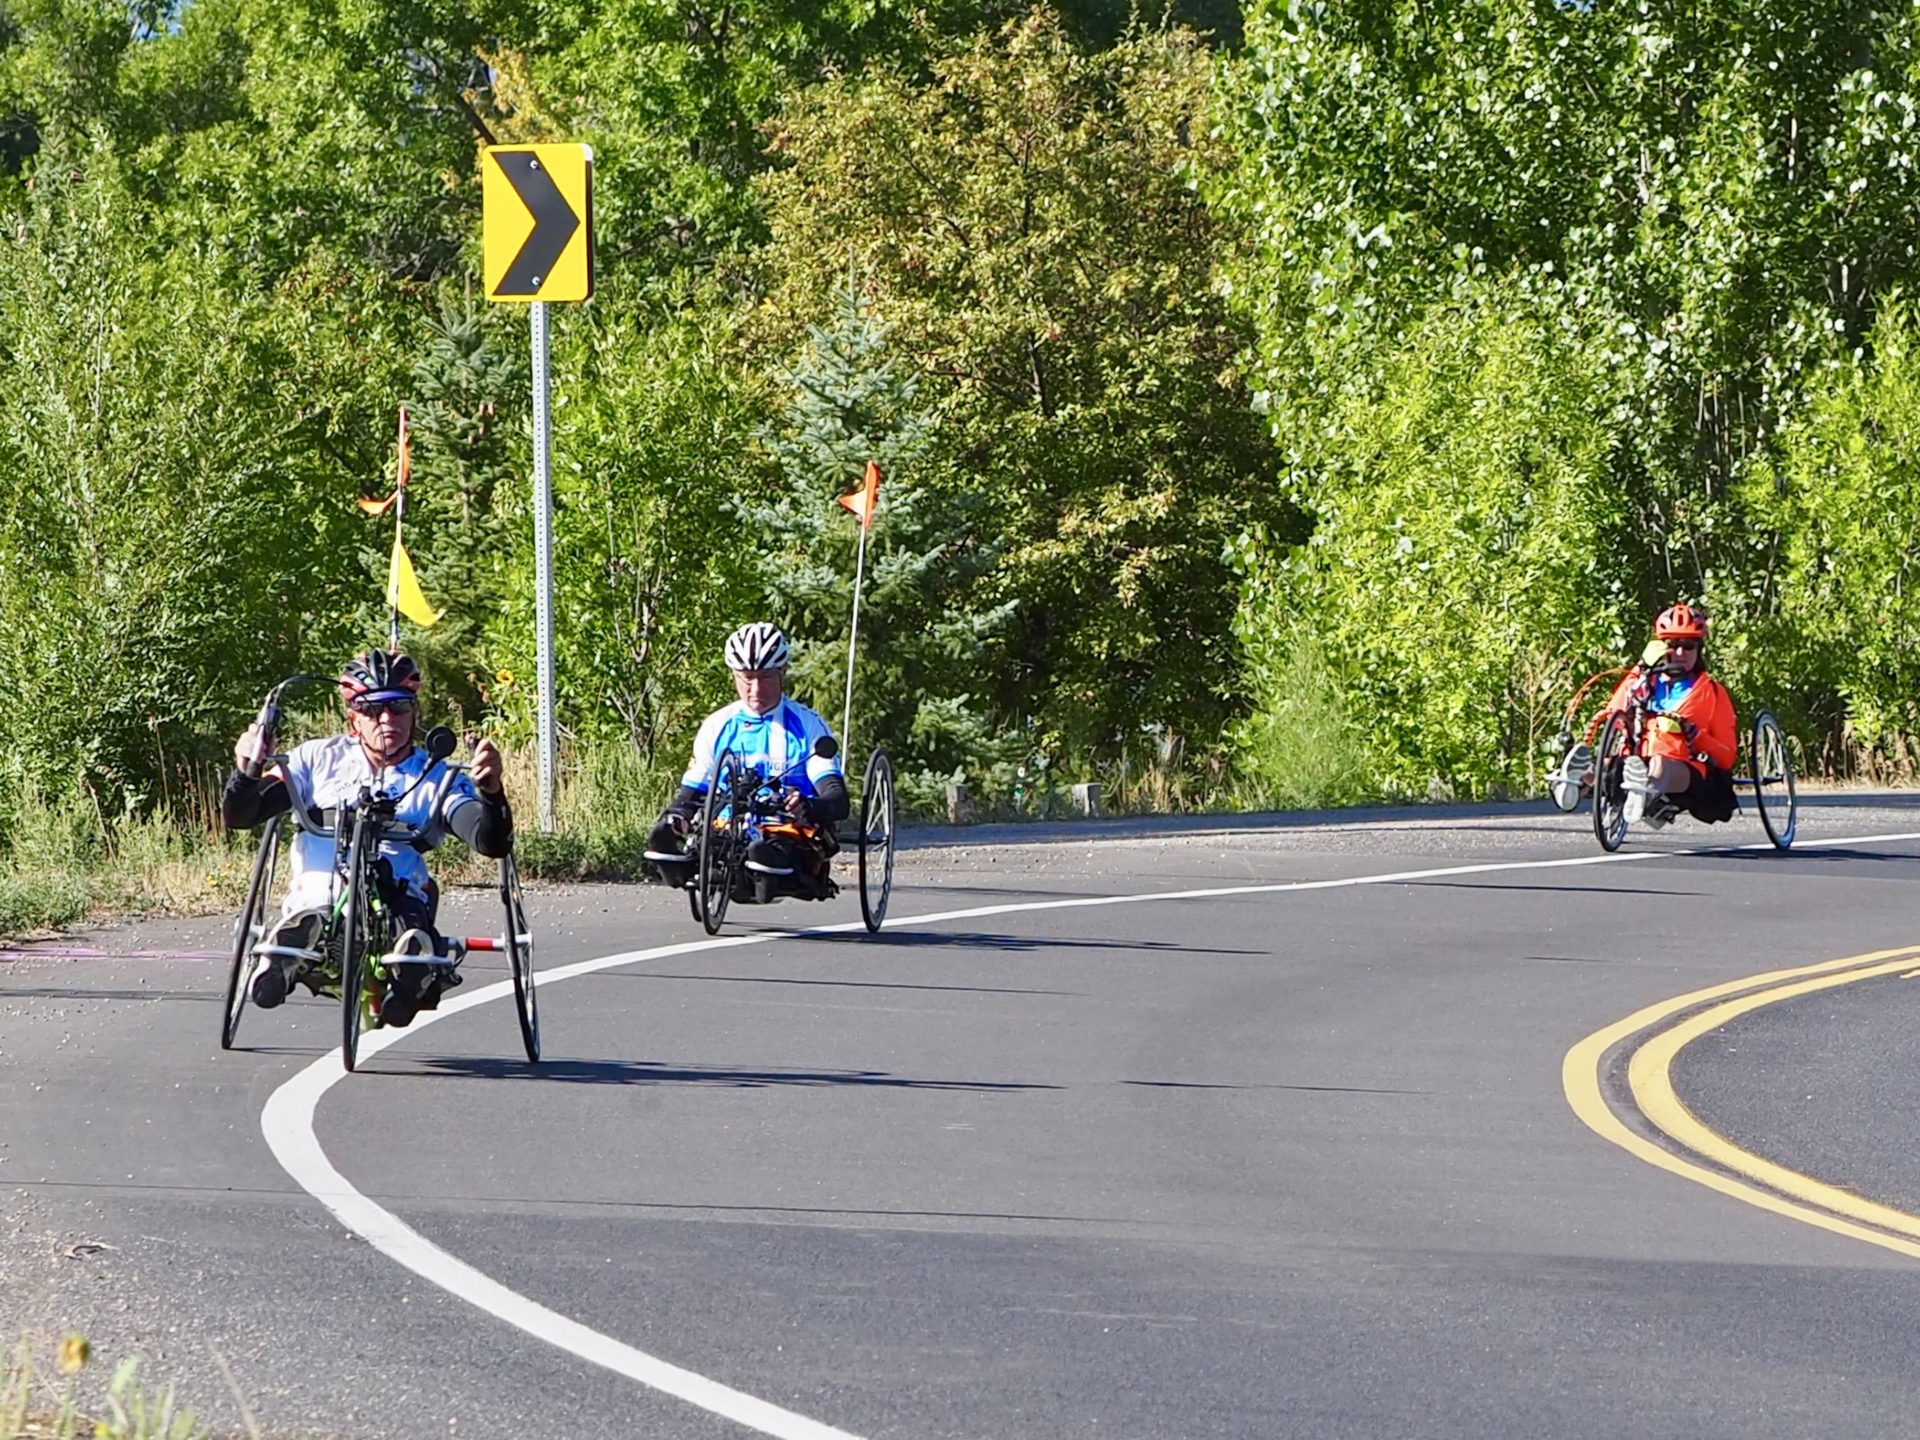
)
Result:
{"points": [[686, 803], [830, 801], [485, 825], [245, 802]]}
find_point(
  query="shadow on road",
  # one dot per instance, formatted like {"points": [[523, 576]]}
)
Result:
{"points": [[836, 984], [1548, 887], [961, 941], [1315, 1089], [52, 992], [637, 1072]]}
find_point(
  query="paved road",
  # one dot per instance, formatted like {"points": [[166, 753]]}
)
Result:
{"points": [[1292, 1162]]}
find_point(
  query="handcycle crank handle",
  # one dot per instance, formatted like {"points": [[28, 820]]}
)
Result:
{"points": [[266, 722]]}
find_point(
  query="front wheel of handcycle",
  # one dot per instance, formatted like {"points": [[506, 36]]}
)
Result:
{"points": [[520, 953], [359, 932], [252, 927], [1609, 798], [713, 881], [877, 823], [1773, 789]]}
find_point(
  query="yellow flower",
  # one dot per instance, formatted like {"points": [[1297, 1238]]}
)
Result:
{"points": [[505, 677], [74, 1354]]}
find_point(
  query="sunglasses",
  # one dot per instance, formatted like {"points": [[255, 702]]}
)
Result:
{"points": [[375, 708], [1683, 645]]}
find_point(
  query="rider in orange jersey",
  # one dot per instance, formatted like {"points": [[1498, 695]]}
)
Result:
{"points": [[1690, 748]]}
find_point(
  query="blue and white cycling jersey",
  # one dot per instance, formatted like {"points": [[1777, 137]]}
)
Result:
{"points": [[326, 774], [780, 743]]}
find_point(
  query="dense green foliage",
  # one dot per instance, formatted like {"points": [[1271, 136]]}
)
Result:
{"points": [[1564, 310], [1301, 399]]}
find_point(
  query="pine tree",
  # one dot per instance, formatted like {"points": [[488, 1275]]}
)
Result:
{"points": [[853, 401]]}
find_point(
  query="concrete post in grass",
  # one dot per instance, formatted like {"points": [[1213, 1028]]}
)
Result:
{"points": [[959, 807], [1086, 800]]}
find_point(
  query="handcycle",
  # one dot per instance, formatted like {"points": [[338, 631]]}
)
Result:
{"points": [[352, 958], [1622, 733], [744, 804], [1571, 781]]}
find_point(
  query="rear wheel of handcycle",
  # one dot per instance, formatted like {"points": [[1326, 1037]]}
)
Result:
{"points": [[714, 878], [1773, 790], [520, 953], [357, 930], [1609, 799], [252, 926], [877, 819]]}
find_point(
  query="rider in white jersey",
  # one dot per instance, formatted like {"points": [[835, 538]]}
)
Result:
{"points": [[381, 694], [777, 735]]}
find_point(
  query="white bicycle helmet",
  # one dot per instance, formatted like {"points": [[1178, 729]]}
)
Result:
{"points": [[757, 646]]}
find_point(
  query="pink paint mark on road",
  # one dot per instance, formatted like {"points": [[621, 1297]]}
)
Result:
{"points": [[81, 952]]}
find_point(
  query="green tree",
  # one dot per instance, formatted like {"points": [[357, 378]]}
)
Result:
{"points": [[160, 559], [1705, 202], [1029, 228], [922, 626]]}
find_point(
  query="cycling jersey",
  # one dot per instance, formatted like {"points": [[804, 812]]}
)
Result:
{"points": [[779, 744], [1696, 699], [327, 774]]}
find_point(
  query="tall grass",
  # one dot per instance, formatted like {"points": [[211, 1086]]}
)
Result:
{"points": [[64, 859], [1299, 749], [33, 1409]]}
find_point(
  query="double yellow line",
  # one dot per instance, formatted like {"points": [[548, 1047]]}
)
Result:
{"points": [[1732, 1170]]}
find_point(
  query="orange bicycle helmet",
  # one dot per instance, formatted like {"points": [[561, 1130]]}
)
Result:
{"points": [[1680, 622]]}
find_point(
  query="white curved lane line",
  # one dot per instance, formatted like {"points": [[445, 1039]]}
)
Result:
{"points": [[288, 1123]]}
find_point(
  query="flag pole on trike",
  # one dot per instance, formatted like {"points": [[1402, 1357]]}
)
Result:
{"points": [[404, 596], [862, 503]]}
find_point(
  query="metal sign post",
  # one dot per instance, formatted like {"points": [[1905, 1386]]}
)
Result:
{"points": [[537, 217], [543, 559]]}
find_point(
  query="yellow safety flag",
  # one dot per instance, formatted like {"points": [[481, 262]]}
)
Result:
{"points": [[403, 588]]}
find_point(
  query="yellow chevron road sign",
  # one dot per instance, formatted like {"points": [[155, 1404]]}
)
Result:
{"points": [[537, 222]]}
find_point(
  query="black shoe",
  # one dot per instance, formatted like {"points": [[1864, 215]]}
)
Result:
{"points": [[275, 975], [406, 984], [270, 983]]}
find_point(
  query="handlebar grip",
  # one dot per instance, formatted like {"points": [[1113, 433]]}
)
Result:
{"points": [[268, 720]]}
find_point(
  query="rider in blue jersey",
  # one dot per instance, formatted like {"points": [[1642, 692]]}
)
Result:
{"points": [[781, 736]]}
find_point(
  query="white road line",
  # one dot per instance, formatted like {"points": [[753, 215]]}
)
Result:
{"points": [[288, 1123]]}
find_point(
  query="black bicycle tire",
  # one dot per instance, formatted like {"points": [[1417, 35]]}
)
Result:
{"points": [[713, 898], [1782, 835], [520, 955], [353, 935], [259, 884], [1610, 832], [876, 792]]}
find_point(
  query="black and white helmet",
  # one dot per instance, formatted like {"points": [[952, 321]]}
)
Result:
{"points": [[758, 646]]}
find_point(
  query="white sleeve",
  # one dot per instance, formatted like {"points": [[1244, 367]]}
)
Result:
{"points": [[704, 745], [818, 766]]}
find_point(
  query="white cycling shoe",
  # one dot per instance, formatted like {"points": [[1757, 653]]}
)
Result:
{"points": [[1634, 785]]}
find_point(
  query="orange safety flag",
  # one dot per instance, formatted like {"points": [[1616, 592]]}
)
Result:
{"points": [[403, 588], [406, 452], [862, 501], [370, 506]]}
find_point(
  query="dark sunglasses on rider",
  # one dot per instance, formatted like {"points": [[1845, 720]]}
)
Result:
{"points": [[376, 708], [1683, 644]]}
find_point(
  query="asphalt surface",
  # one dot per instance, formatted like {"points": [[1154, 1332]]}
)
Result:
{"points": [[1255, 1165]]}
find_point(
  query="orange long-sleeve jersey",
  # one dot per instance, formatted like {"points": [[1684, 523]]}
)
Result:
{"points": [[1706, 706]]}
